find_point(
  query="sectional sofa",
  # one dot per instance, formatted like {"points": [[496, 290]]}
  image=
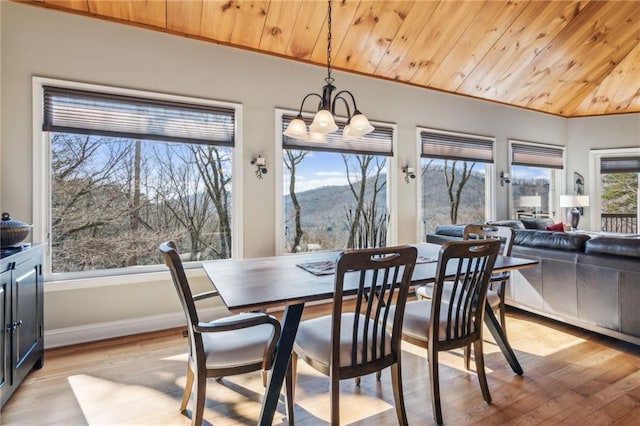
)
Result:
{"points": [[584, 279]]}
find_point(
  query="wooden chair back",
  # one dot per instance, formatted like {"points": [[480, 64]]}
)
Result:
{"points": [[457, 314], [181, 284], [480, 231], [383, 276]]}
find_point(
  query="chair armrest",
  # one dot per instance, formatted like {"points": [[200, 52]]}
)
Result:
{"points": [[212, 327], [205, 295]]}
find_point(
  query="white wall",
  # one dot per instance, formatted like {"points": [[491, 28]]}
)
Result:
{"points": [[42, 42]]}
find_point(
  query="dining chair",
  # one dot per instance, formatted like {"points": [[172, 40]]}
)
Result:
{"points": [[361, 336], [452, 317], [228, 346], [497, 282]]}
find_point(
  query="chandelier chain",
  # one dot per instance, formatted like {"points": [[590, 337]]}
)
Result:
{"points": [[329, 80]]}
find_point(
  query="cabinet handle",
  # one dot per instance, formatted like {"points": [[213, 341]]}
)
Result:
{"points": [[15, 326]]}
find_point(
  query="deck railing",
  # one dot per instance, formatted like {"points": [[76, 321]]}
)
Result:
{"points": [[626, 223]]}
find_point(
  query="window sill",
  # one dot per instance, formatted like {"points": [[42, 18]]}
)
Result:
{"points": [[54, 285]]}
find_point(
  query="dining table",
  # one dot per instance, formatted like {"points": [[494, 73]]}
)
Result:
{"points": [[285, 282]]}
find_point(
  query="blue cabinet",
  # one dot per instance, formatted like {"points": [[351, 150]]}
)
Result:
{"points": [[22, 314]]}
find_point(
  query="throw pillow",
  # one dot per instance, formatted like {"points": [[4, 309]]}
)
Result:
{"points": [[558, 227]]}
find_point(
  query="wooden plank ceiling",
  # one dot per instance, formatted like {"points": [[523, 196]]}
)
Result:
{"points": [[568, 58]]}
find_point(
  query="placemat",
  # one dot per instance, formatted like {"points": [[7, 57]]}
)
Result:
{"points": [[328, 267]]}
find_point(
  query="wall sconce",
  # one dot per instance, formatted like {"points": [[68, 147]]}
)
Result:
{"points": [[408, 173], [261, 166], [504, 178]]}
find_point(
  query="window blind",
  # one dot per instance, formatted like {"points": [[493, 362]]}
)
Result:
{"points": [[108, 114], [378, 142], [620, 165], [537, 155], [456, 146]]}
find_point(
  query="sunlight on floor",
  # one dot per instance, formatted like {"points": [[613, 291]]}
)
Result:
{"points": [[317, 403], [452, 359], [547, 344], [93, 394]]}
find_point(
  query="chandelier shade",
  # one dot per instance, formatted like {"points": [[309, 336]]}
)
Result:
{"points": [[359, 126], [324, 120], [297, 129]]}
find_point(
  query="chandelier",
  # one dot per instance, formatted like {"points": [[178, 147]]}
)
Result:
{"points": [[324, 120]]}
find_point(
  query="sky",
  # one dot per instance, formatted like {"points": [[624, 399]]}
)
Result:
{"points": [[318, 169]]}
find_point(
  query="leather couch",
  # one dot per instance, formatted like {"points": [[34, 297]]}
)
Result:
{"points": [[586, 280]]}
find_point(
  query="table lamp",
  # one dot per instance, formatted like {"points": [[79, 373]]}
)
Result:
{"points": [[534, 201], [573, 202]]}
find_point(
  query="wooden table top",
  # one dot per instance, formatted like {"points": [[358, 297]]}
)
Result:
{"points": [[267, 282]]}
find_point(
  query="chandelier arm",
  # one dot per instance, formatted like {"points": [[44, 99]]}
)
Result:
{"points": [[353, 99], [346, 104], [305, 99]]}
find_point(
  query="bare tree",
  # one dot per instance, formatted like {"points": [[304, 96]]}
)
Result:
{"points": [[181, 190], [426, 167], [214, 165], [358, 177], [450, 178], [291, 159], [87, 200], [134, 206], [110, 202]]}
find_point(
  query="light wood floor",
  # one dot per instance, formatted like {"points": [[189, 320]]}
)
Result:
{"points": [[572, 377]]}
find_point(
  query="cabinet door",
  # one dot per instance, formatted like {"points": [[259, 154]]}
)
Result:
{"points": [[26, 294], [5, 322]]}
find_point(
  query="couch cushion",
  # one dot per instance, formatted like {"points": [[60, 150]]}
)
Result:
{"points": [[619, 246], [511, 223], [551, 240], [450, 230], [536, 222]]}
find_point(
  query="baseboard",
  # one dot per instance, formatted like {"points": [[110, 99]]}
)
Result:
{"points": [[108, 330]]}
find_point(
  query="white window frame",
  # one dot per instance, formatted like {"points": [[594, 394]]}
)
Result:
{"points": [[555, 188], [41, 232], [595, 190], [490, 181], [392, 175]]}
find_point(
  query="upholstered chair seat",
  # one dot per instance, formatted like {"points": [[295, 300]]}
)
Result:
{"points": [[244, 346], [314, 340]]}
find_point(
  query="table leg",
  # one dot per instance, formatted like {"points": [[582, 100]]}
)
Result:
{"points": [[495, 329], [290, 322]]}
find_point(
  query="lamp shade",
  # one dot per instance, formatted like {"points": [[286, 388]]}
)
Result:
{"points": [[530, 201], [574, 201]]}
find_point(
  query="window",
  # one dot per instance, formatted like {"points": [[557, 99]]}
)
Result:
{"points": [[536, 177], [334, 191], [454, 170], [127, 170], [615, 183]]}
